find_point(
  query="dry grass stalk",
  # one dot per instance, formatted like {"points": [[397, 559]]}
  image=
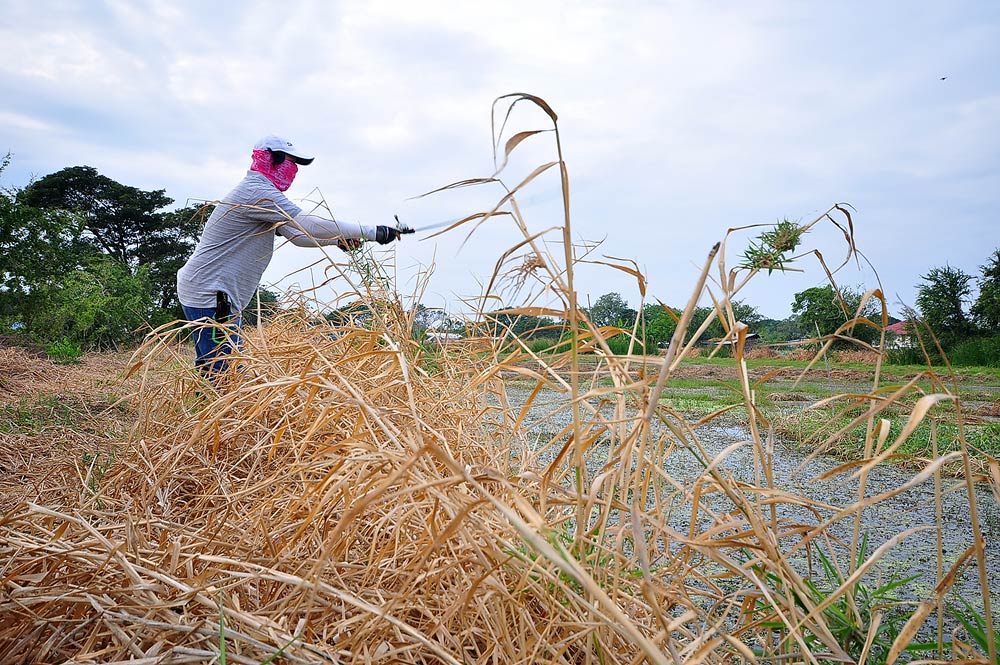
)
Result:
{"points": [[348, 498]]}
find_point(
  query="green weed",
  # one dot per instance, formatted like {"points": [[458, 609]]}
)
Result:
{"points": [[64, 351], [975, 625], [851, 615], [31, 417]]}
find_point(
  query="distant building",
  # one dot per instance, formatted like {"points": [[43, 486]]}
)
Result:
{"points": [[442, 337], [751, 340], [899, 336]]}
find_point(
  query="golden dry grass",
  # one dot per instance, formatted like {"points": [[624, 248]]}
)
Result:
{"points": [[348, 498], [38, 453]]}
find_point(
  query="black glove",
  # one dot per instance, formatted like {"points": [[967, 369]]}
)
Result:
{"points": [[386, 234]]}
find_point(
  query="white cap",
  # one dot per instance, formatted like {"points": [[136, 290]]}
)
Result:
{"points": [[278, 144]]}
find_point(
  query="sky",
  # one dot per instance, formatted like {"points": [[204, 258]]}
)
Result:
{"points": [[677, 121]]}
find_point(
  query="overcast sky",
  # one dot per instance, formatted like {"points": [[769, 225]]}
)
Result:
{"points": [[678, 120]]}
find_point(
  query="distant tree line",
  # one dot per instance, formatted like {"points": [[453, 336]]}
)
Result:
{"points": [[86, 259], [654, 327], [967, 331]]}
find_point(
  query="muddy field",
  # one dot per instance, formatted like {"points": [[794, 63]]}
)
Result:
{"points": [[795, 473]]}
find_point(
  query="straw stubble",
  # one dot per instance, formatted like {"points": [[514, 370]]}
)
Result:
{"points": [[351, 495]]}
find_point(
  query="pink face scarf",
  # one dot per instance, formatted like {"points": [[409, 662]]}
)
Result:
{"points": [[281, 176]]}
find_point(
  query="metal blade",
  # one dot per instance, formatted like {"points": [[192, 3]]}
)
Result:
{"points": [[404, 228], [437, 225]]}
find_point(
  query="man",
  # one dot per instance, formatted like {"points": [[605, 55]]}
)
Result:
{"points": [[223, 274]]}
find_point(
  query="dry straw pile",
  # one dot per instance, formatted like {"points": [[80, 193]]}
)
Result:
{"points": [[351, 496]]}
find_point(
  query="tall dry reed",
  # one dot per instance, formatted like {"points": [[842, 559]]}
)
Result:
{"points": [[349, 495]]}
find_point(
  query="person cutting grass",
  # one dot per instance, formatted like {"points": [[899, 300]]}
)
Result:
{"points": [[223, 273]]}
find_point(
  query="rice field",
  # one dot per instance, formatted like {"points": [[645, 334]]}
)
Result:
{"points": [[347, 494]]}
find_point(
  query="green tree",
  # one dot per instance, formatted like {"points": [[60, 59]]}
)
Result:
{"points": [[269, 306], [746, 313], [97, 305], [167, 251], [743, 313], [986, 309], [612, 310], [36, 250], [427, 318], [357, 313], [781, 330], [124, 222], [82, 258], [942, 299], [820, 309], [661, 322], [714, 329], [500, 324]]}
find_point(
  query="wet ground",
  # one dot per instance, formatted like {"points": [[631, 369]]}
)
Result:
{"points": [[915, 507]]}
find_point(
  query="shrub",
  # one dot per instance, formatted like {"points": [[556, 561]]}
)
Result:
{"points": [[979, 351], [542, 344], [913, 355], [64, 351], [619, 345], [96, 307]]}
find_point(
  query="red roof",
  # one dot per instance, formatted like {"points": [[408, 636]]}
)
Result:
{"points": [[897, 328]]}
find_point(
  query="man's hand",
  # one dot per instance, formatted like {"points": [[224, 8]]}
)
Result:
{"points": [[349, 244], [386, 234]]}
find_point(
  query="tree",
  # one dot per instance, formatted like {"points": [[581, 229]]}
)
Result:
{"points": [[747, 314], [820, 309], [168, 249], [36, 249], [269, 306], [54, 286], [661, 322], [126, 223], [742, 312], [986, 310], [118, 219], [98, 305], [428, 318], [942, 299], [89, 259], [783, 330], [612, 310], [353, 314]]}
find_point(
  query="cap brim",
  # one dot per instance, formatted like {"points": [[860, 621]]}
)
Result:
{"points": [[299, 159]]}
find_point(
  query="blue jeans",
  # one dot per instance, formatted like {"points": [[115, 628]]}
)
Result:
{"points": [[211, 345]]}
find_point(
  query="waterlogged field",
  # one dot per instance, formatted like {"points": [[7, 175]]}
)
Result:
{"points": [[789, 397], [807, 445]]}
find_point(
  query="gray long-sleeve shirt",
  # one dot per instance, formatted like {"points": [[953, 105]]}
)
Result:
{"points": [[238, 241]]}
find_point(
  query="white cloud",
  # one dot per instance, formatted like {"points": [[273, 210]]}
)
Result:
{"points": [[18, 122]]}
